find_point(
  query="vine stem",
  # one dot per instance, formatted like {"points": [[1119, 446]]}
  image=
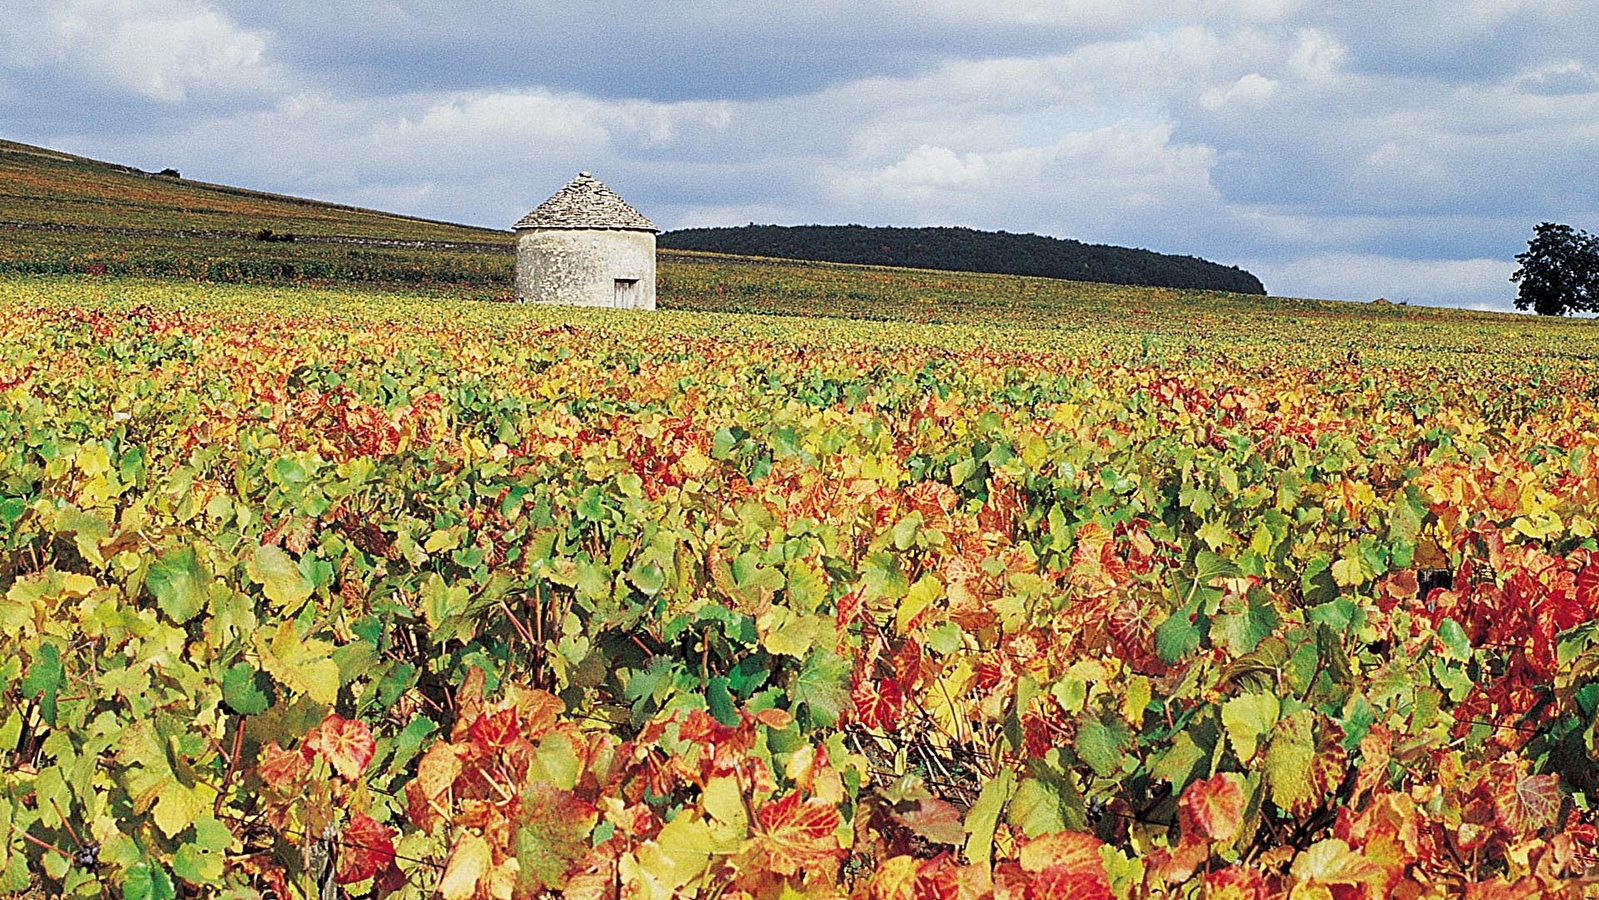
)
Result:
{"points": [[233, 762], [48, 846]]}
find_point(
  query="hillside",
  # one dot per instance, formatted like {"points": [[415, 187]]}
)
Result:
{"points": [[45, 187], [966, 250], [64, 214]]}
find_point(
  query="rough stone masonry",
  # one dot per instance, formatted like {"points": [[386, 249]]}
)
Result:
{"points": [[586, 247]]}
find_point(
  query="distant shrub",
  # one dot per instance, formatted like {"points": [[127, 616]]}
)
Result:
{"points": [[169, 173]]}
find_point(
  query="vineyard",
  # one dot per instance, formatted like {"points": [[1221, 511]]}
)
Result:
{"points": [[318, 593], [41, 186]]}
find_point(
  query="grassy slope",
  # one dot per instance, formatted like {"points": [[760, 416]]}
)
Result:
{"points": [[43, 186]]}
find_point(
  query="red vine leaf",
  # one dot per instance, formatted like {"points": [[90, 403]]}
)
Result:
{"points": [[435, 775], [493, 732], [1072, 849], [346, 745], [1067, 883], [796, 836], [1235, 883], [895, 879], [1213, 807], [1132, 623], [909, 878], [933, 819], [878, 704], [365, 849], [281, 769], [1530, 805]]}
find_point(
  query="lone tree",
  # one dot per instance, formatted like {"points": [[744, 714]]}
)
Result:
{"points": [[1559, 273]]}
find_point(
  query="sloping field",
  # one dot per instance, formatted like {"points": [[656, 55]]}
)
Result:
{"points": [[61, 214], [397, 594], [39, 186], [81, 216]]}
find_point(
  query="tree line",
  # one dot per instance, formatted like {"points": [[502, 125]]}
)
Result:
{"points": [[968, 250]]}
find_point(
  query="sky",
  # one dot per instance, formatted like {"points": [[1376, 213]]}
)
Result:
{"points": [[1347, 150]]}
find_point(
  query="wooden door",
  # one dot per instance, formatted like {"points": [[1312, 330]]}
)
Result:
{"points": [[626, 293]]}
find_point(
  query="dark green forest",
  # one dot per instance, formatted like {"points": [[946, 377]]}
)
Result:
{"points": [[967, 250]]}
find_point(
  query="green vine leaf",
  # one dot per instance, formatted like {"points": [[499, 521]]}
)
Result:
{"points": [[280, 579]]}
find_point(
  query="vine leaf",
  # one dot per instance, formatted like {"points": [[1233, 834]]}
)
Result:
{"points": [[200, 860], [1248, 718], [1213, 809], [1331, 861], [346, 745], [1062, 883], [1066, 865], [680, 853], [1288, 762], [493, 732], [366, 849], [470, 861], [1529, 804], [983, 818], [281, 769], [179, 805], [435, 774], [240, 692], [180, 584], [796, 835], [148, 881], [553, 835], [822, 686], [304, 666], [280, 579], [935, 820]]}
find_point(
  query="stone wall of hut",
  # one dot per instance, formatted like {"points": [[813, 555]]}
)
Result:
{"points": [[582, 267]]}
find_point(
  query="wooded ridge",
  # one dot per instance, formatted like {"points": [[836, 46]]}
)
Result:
{"points": [[968, 250]]}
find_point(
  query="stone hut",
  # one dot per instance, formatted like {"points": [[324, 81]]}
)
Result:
{"points": [[586, 247]]}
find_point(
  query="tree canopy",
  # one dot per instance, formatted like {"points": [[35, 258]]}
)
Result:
{"points": [[967, 250], [1559, 272]]}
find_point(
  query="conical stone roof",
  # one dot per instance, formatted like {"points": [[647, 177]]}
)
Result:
{"points": [[585, 202]]}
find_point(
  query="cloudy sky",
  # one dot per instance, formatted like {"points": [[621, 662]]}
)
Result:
{"points": [[1348, 149]]}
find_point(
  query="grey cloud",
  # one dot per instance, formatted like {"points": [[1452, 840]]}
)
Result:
{"points": [[623, 49], [1459, 41], [1559, 80]]}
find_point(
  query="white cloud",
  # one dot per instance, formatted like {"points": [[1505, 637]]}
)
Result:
{"points": [[1558, 79], [1251, 88], [505, 120], [475, 157], [1317, 55], [927, 171], [1472, 283], [1087, 15], [160, 50], [718, 215], [1100, 184]]}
